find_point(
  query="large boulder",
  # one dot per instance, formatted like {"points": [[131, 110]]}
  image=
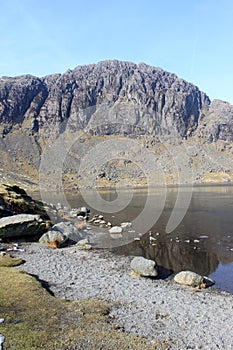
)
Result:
{"points": [[143, 267], [14, 200], [21, 225], [62, 232]]}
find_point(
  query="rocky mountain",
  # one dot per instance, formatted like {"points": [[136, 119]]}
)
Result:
{"points": [[106, 99]]}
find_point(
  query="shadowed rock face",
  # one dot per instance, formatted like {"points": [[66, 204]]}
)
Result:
{"points": [[21, 225], [100, 98], [14, 200]]}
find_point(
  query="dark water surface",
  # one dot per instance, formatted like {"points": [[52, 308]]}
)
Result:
{"points": [[202, 242]]}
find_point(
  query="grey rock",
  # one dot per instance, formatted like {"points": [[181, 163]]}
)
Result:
{"points": [[115, 230], [143, 267], [21, 225], [85, 210], [126, 225], [153, 100], [63, 231], [208, 281], [216, 122], [188, 278], [84, 244], [52, 235], [74, 212], [83, 241]]}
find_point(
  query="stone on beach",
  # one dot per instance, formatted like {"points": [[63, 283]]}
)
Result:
{"points": [[21, 225], [84, 244], [52, 235], [189, 278], [143, 267], [62, 231]]}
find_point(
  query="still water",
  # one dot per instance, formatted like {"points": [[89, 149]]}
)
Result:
{"points": [[202, 241]]}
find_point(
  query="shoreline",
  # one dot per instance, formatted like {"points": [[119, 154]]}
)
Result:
{"points": [[153, 308], [34, 187]]}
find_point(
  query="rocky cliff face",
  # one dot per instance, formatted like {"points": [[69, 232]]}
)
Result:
{"points": [[216, 122], [102, 98], [107, 98]]}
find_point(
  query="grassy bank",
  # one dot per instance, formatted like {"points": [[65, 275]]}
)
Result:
{"points": [[34, 319]]}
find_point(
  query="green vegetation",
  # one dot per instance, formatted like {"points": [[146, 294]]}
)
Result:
{"points": [[8, 261], [34, 319]]}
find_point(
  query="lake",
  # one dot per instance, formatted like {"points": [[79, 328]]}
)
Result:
{"points": [[200, 236]]}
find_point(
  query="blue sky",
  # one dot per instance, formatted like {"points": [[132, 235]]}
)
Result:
{"points": [[193, 39]]}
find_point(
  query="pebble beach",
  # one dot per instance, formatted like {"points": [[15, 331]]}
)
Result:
{"points": [[157, 309]]}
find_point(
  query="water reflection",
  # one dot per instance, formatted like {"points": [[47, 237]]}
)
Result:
{"points": [[173, 257], [201, 242]]}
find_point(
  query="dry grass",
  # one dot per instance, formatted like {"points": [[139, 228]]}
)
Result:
{"points": [[34, 319], [220, 177]]}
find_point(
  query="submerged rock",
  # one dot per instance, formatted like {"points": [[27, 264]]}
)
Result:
{"points": [[115, 229], [143, 267], [21, 225], [126, 225]]}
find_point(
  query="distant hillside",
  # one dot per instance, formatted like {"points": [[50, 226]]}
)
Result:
{"points": [[113, 98]]}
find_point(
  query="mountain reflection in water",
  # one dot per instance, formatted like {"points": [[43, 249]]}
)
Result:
{"points": [[202, 242], [173, 257]]}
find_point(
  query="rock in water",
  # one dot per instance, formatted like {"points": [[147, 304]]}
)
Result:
{"points": [[126, 225], [143, 267], [115, 229], [188, 278], [21, 225]]}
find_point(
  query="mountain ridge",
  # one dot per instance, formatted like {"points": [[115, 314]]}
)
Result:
{"points": [[108, 98]]}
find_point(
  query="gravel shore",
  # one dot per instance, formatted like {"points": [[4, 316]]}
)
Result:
{"points": [[149, 307]]}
